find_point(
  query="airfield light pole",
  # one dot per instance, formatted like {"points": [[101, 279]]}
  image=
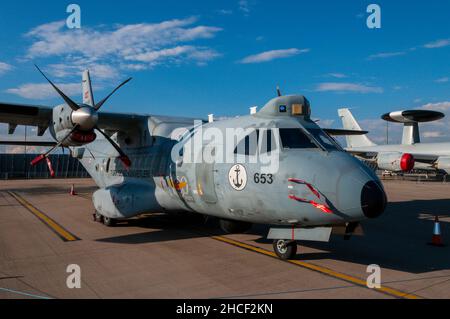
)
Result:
{"points": [[26, 166], [387, 133]]}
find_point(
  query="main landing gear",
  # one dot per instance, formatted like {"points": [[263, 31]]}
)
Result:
{"points": [[285, 249], [107, 221]]}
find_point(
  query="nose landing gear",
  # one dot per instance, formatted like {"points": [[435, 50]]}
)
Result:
{"points": [[285, 249]]}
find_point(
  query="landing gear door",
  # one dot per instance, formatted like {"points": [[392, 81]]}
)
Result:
{"points": [[205, 176]]}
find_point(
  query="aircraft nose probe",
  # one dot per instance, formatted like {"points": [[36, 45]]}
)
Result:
{"points": [[84, 118]]}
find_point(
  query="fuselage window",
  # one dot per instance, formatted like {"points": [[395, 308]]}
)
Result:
{"points": [[249, 145], [267, 141], [294, 138]]}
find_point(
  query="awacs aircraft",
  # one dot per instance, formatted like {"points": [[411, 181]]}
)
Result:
{"points": [[411, 154], [148, 163]]}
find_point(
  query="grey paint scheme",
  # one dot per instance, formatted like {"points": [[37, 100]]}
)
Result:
{"points": [[146, 187]]}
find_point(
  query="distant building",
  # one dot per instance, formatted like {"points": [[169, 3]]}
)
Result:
{"points": [[17, 166]]}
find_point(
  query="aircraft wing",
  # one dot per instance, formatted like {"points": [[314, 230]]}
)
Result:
{"points": [[42, 116], [120, 121], [30, 115], [340, 132]]}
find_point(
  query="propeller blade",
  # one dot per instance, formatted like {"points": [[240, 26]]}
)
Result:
{"points": [[74, 106], [123, 157], [100, 104], [42, 157]]}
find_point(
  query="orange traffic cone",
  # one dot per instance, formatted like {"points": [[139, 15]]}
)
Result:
{"points": [[72, 191], [437, 237]]}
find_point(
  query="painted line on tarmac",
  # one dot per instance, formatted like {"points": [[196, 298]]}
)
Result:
{"points": [[62, 233], [322, 270], [23, 293]]}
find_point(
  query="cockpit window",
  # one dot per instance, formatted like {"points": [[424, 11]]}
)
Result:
{"points": [[294, 138], [325, 140], [249, 145], [267, 141]]}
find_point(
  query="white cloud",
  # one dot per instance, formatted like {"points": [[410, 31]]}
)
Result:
{"points": [[273, 55], [97, 71], [337, 75], [440, 106], [385, 55], [347, 87], [105, 49], [42, 91], [225, 12], [324, 123], [179, 53], [4, 67], [442, 80], [244, 6], [432, 134], [437, 44]]}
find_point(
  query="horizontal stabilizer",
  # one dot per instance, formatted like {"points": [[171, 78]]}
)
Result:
{"points": [[340, 132]]}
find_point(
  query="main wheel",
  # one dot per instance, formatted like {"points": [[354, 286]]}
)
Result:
{"points": [[234, 227], [98, 217], [110, 222], [285, 249]]}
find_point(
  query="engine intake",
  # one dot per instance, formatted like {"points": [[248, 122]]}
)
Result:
{"points": [[83, 137]]}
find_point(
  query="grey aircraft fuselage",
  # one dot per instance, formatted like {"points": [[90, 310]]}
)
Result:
{"points": [[278, 168], [350, 189]]}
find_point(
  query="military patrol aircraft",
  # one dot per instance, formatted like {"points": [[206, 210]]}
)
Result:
{"points": [[410, 154], [149, 163]]}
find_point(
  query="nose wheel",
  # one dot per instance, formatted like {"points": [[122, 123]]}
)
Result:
{"points": [[285, 249]]}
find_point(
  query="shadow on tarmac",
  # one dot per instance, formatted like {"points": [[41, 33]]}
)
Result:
{"points": [[397, 240]]}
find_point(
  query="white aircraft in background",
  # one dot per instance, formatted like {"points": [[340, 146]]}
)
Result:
{"points": [[411, 154]]}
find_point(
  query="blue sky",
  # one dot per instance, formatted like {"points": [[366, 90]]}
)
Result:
{"points": [[199, 57]]}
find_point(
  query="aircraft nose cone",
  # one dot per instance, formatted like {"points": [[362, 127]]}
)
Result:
{"points": [[373, 200]]}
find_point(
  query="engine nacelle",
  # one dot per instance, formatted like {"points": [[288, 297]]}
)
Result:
{"points": [[126, 201], [65, 119], [443, 164], [396, 162]]}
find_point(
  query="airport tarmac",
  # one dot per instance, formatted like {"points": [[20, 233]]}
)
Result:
{"points": [[43, 230]]}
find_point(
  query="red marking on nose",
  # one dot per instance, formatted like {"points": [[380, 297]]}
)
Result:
{"points": [[322, 207]]}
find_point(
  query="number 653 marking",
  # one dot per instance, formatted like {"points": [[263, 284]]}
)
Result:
{"points": [[263, 178]]}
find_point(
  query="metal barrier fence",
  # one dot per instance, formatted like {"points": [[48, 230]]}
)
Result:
{"points": [[17, 166]]}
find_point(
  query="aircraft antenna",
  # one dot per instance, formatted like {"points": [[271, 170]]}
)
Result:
{"points": [[279, 91]]}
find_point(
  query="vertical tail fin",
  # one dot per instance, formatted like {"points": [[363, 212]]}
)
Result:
{"points": [[349, 123], [88, 96]]}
